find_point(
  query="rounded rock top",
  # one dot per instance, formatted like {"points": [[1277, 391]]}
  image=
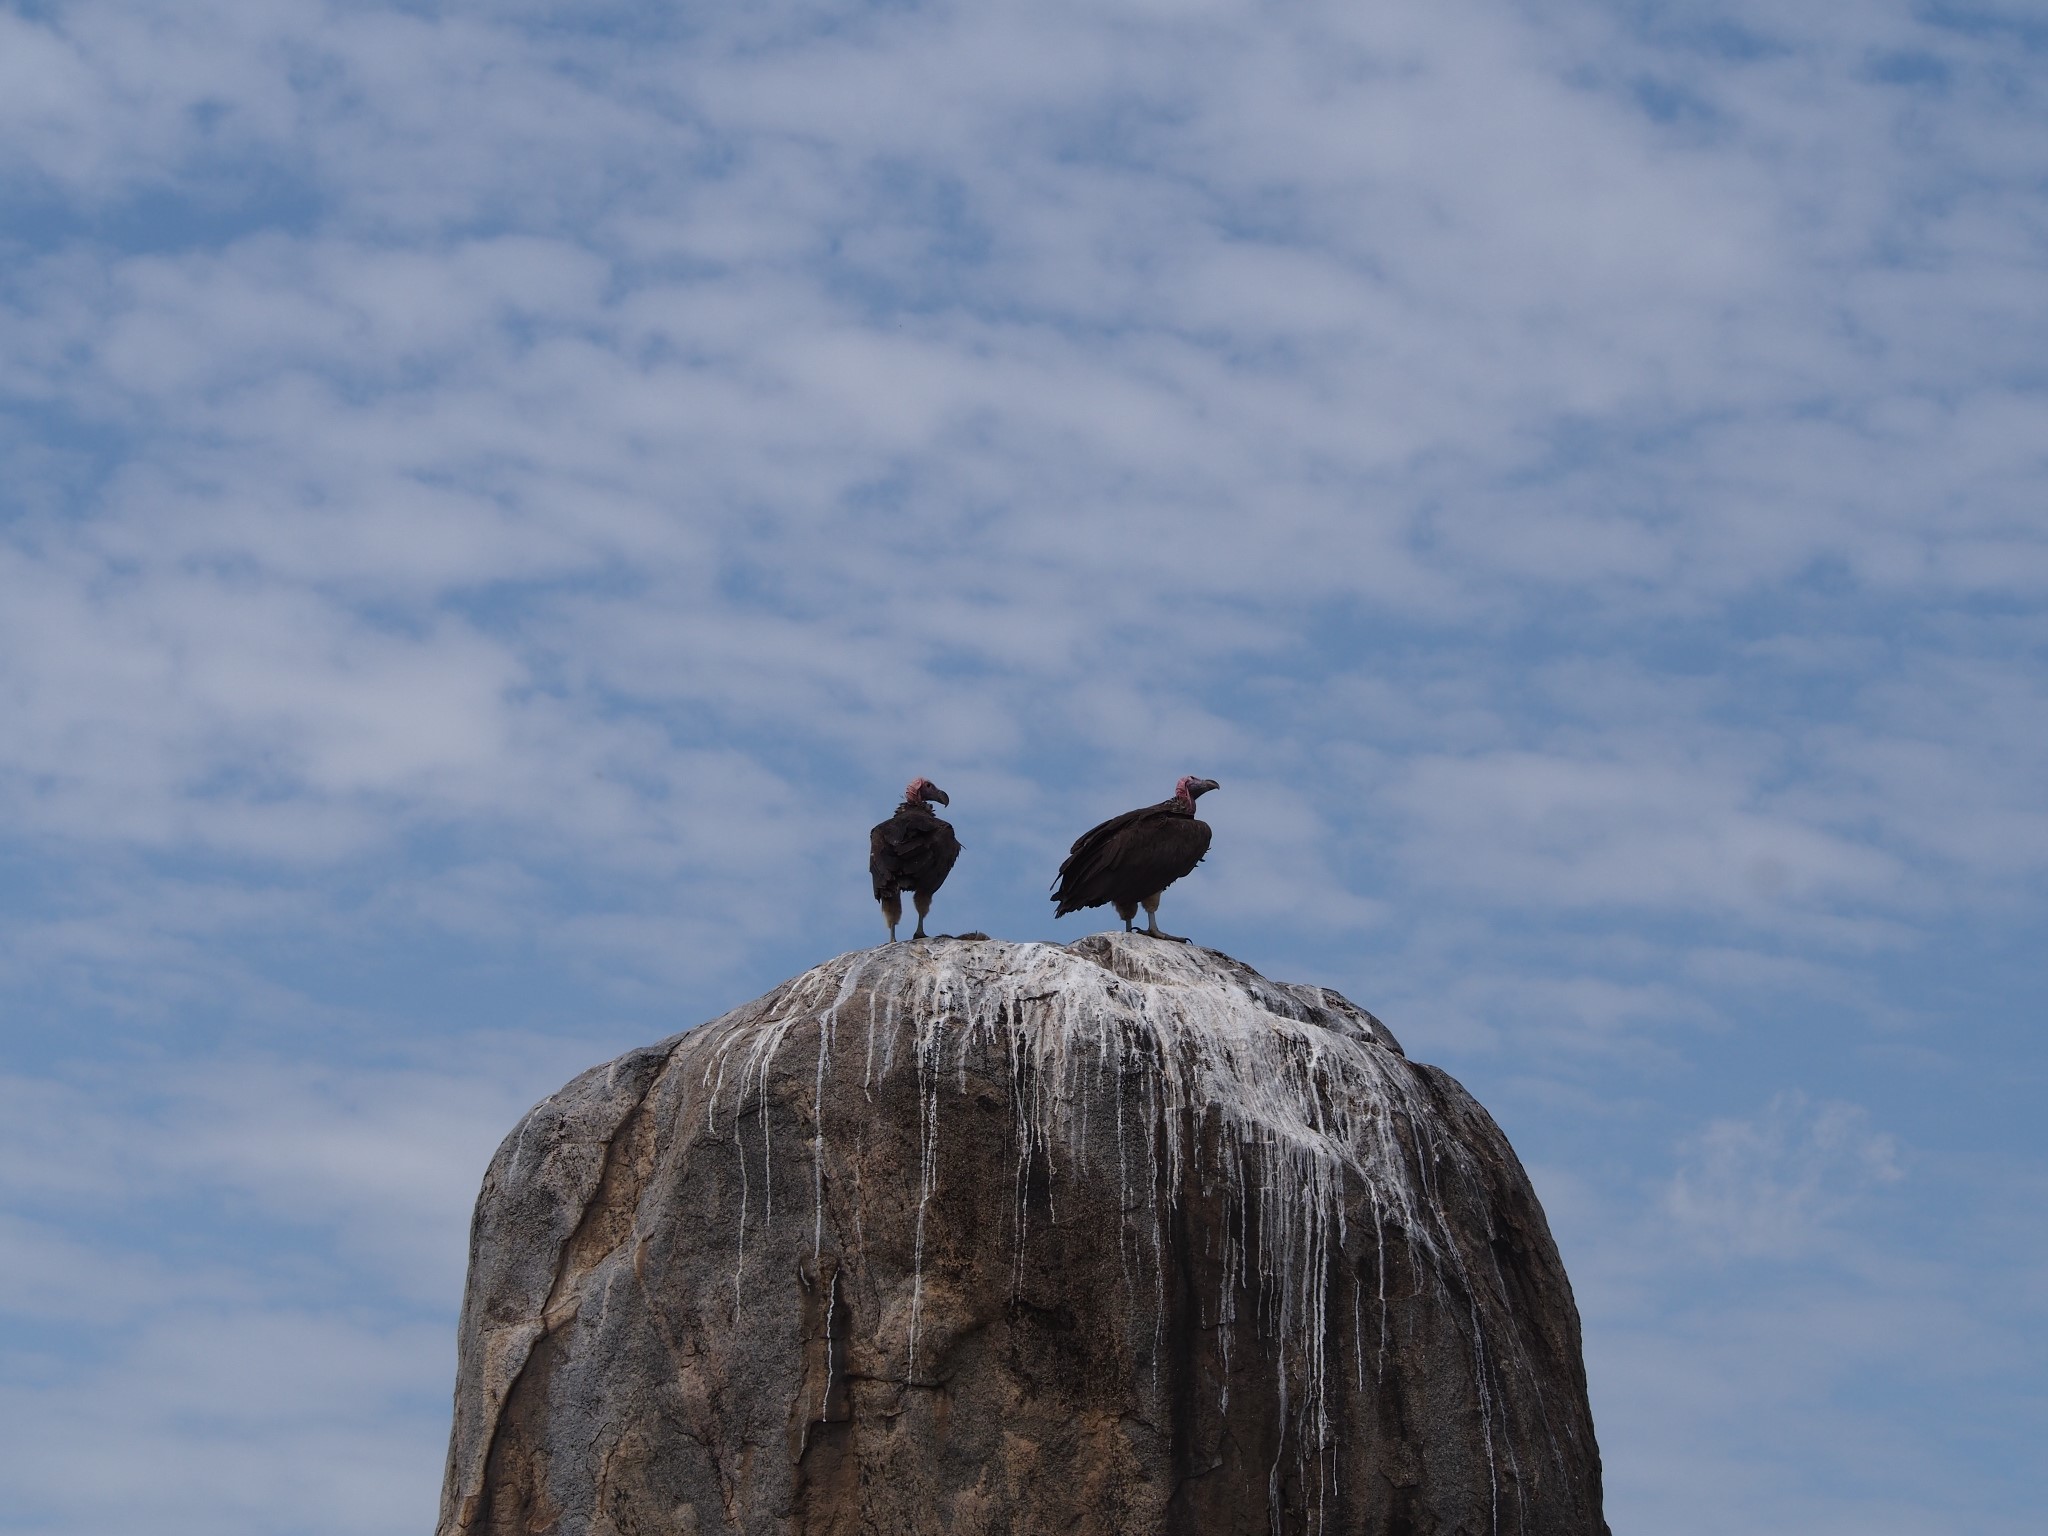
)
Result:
{"points": [[965, 1235]]}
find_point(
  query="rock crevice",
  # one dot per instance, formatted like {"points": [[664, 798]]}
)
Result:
{"points": [[1117, 1237]]}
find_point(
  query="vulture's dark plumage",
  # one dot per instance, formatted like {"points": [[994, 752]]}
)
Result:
{"points": [[912, 851], [1130, 859]]}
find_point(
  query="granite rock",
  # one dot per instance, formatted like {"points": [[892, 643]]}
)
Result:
{"points": [[1114, 1238]]}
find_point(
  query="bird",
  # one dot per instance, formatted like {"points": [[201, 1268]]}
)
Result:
{"points": [[912, 851], [1130, 859]]}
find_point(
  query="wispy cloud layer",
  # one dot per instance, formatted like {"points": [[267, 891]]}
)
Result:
{"points": [[496, 506]]}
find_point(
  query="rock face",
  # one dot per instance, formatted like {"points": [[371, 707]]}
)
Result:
{"points": [[1118, 1238]]}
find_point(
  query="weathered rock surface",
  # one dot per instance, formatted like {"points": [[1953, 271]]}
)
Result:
{"points": [[977, 1237]]}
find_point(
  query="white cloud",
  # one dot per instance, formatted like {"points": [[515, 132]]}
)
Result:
{"points": [[1864, 1358], [1775, 1186], [292, 1347], [222, 1423]]}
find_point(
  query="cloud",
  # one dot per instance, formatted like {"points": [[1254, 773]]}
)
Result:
{"points": [[1774, 1187], [219, 1422], [1532, 826], [1863, 1359], [213, 1310], [229, 1284]]}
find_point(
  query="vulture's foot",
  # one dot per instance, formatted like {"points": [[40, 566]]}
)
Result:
{"points": [[1171, 938]]}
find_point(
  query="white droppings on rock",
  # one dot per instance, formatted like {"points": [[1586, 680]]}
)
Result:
{"points": [[1311, 1102]]}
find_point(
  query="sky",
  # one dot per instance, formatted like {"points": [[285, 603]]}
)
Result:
{"points": [[498, 498]]}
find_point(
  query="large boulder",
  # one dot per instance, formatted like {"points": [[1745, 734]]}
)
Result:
{"points": [[974, 1237]]}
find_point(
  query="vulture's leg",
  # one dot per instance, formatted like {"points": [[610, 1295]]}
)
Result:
{"points": [[1128, 911], [1152, 920], [892, 912], [924, 905]]}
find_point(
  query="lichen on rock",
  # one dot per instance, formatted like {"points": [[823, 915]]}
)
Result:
{"points": [[1111, 1237]]}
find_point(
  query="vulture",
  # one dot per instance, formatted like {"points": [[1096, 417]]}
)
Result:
{"points": [[912, 851], [1130, 859]]}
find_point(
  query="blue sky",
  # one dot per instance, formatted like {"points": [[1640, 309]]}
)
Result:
{"points": [[496, 505]]}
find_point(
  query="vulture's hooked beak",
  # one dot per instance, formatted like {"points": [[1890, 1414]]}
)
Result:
{"points": [[1201, 787], [933, 792]]}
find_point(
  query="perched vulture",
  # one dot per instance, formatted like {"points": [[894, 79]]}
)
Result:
{"points": [[1130, 859], [912, 851]]}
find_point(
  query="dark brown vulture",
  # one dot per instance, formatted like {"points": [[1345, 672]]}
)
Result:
{"points": [[1130, 859], [912, 851]]}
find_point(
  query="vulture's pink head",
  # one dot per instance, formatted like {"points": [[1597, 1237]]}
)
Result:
{"points": [[922, 791], [1192, 789]]}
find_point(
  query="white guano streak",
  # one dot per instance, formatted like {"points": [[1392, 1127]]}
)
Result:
{"points": [[1305, 1111]]}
